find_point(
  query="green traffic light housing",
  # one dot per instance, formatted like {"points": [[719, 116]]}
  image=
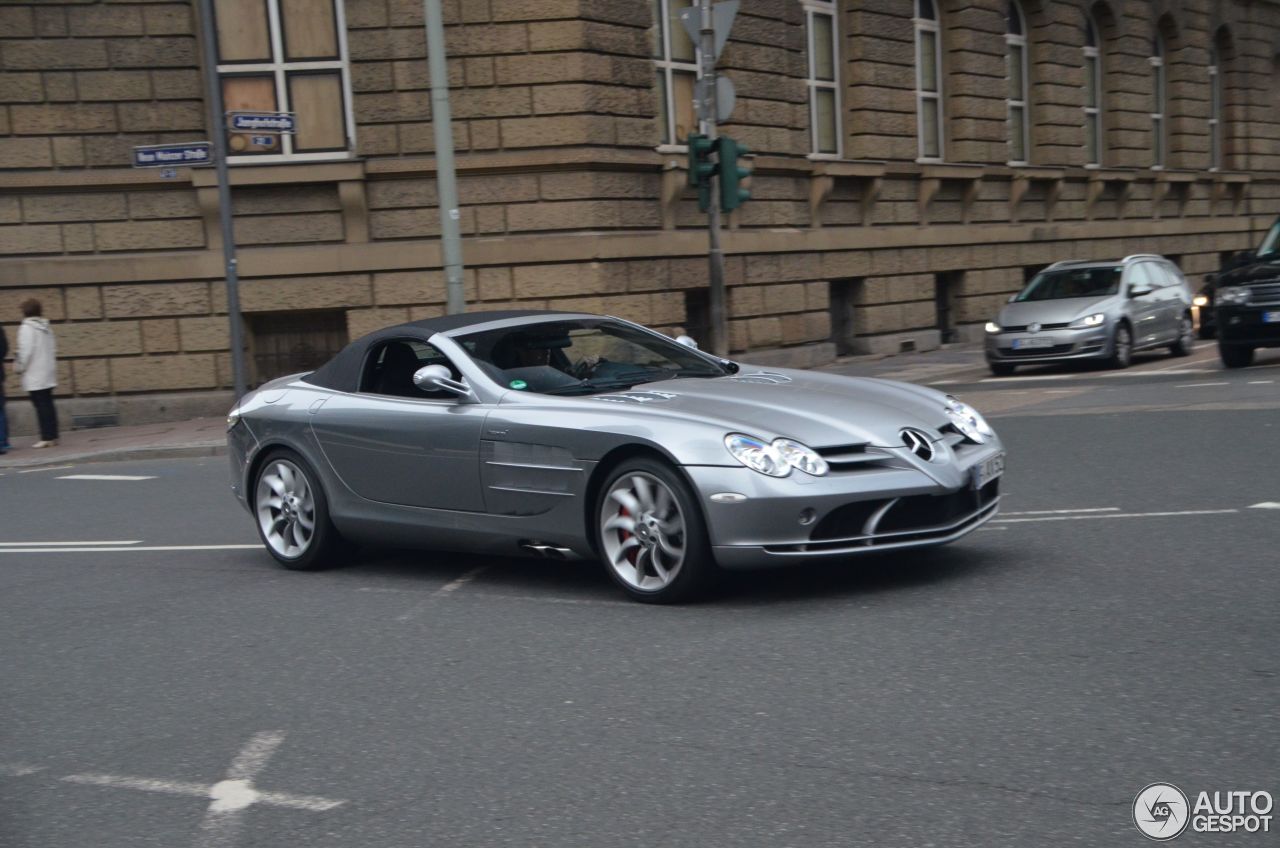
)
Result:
{"points": [[701, 168], [732, 172]]}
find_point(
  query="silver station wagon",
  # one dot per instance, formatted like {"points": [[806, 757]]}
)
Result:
{"points": [[1093, 311]]}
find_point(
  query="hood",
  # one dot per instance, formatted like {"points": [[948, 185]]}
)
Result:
{"points": [[820, 410], [1062, 311], [37, 323], [1255, 272]]}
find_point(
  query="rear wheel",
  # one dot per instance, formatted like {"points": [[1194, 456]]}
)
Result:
{"points": [[1235, 356], [293, 514], [1186, 338], [1001, 369], [652, 535], [1121, 347]]}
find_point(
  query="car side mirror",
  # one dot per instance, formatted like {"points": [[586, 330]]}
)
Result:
{"points": [[687, 341], [1012, 298], [1244, 256], [1137, 290], [431, 378]]}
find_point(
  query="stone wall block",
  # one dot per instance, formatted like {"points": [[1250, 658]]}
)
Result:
{"points": [[160, 335], [163, 373], [294, 293], [90, 376], [84, 302], [105, 338], [149, 235], [205, 334], [146, 300]]}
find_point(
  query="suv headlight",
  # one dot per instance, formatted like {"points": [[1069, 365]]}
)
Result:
{"points": [[775, 458], [1095, 320], [968, 421], [1232, 295], [993, 327]]}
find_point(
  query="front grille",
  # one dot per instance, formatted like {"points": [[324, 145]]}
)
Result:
{"points": [[845, 521], [920, 512], [1265, 295], [1022, 328], [1035, 351]]}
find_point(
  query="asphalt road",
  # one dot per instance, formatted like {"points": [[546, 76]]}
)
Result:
{"points": [[1017, 688]]}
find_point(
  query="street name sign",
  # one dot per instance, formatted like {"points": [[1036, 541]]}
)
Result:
{"points": [[262, 122], [170, 155]]}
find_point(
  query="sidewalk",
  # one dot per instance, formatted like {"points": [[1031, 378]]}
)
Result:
{"points": [[207, 436]]}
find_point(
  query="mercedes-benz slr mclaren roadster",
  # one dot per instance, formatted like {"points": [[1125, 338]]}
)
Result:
{"points": [[580, 436]]}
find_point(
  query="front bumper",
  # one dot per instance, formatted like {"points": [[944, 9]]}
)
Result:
{"points": [[802, 518], [1091, 343], [1245, 325]]}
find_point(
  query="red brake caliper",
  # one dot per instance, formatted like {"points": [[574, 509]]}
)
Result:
{"points": [[623, 536]]}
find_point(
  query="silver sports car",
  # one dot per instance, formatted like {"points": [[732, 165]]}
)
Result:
{"points": [[568, 435]]}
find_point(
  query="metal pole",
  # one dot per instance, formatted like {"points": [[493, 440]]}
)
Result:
{"points": [[716, 298], [446, 178], [218, 135]]}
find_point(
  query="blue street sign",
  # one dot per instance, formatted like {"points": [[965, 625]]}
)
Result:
{"points": [[168, 173], [263, 140], [261, 122], [171, 155]]}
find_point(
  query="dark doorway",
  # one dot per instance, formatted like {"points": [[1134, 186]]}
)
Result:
{"points": [[288, 342], [697, 316], [844, 297], [946, 288]]}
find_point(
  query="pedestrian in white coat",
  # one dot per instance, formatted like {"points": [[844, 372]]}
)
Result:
{"points": [[37, 361]]}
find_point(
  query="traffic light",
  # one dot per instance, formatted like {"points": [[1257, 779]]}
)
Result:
{"points": [[732, 172], [701, 168]]}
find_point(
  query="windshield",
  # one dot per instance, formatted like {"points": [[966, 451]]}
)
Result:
{"points": [[582, 356], [1072, 282], [1270, 244]]}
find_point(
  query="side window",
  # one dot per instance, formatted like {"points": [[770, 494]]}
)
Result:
{"points": [[391, 365], [1158, 274], [1138, 276]]}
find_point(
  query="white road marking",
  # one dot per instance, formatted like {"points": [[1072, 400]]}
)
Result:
{"points": [[125, 477], [1064, 511], [60, 544], [1261, 382], [18, 769], [454, 586], [1061, 391], [144, 784], [1266, 505], [1116, 515], [990, 529], [1084, 375], [1199, 385], [130, 550], [47, 468]]}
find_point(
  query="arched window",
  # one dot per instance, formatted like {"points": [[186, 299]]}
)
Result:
{"points": [[1159, 88], [1092, 94], [1215, 107], [1015, 40], [929, 80]]}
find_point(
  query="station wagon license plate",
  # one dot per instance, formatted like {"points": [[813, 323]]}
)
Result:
{"points": [[987, 470], [1271, 317], [1022, 344]]}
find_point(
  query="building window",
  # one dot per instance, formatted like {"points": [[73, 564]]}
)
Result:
{"points": [[286, 56], [824, 64], [1215, 108], [1092, 95], [676, 59], [929, 80], [1159, 90], [1016, 44]]}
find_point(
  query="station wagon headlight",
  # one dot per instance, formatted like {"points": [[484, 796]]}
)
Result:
{"points": [[799, 456], [1094, 320], [992, 327], [757, 454], [968, 421], [1232, 295]]}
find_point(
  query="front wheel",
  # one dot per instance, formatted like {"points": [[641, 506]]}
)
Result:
{"points": [[1186, 338], [293, 514], [652, 535], [1235, 356], [1121, 347]]}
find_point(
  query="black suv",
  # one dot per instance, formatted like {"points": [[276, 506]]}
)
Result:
{"points": [[1246, 303]]}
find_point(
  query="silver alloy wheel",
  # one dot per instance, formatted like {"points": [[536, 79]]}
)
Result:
{"points": [[642, 531], [1124, 346], [1187, 334], [286, 508]]}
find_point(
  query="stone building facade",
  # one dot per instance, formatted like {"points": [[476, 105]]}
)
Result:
{"points": [[915, 161]]}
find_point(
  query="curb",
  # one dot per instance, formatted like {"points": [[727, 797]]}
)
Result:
{"points": [[110, 455]]}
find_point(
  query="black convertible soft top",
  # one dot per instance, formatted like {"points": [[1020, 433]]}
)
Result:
{"points": [[342, 373]]}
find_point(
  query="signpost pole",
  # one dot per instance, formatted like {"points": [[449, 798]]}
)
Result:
{"points": [[218, 133], [716, 299], [446, 179]]}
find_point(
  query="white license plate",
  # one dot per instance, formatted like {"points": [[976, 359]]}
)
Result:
{"points": [[1271, 317], [987, 470], [1022, 344]]}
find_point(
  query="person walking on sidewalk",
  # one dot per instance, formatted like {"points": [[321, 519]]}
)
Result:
{"points": [[4, 422], [37, 361]]}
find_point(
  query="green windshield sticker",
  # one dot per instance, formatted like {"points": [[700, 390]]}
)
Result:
{"points": [[518, 384]]}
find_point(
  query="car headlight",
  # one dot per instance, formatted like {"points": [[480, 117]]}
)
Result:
{"points": [[1233, 295], [1094, 320], [993, 327], [233, 418], [968, 421], [799, 456], [1200, 300], [757, 454]]}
